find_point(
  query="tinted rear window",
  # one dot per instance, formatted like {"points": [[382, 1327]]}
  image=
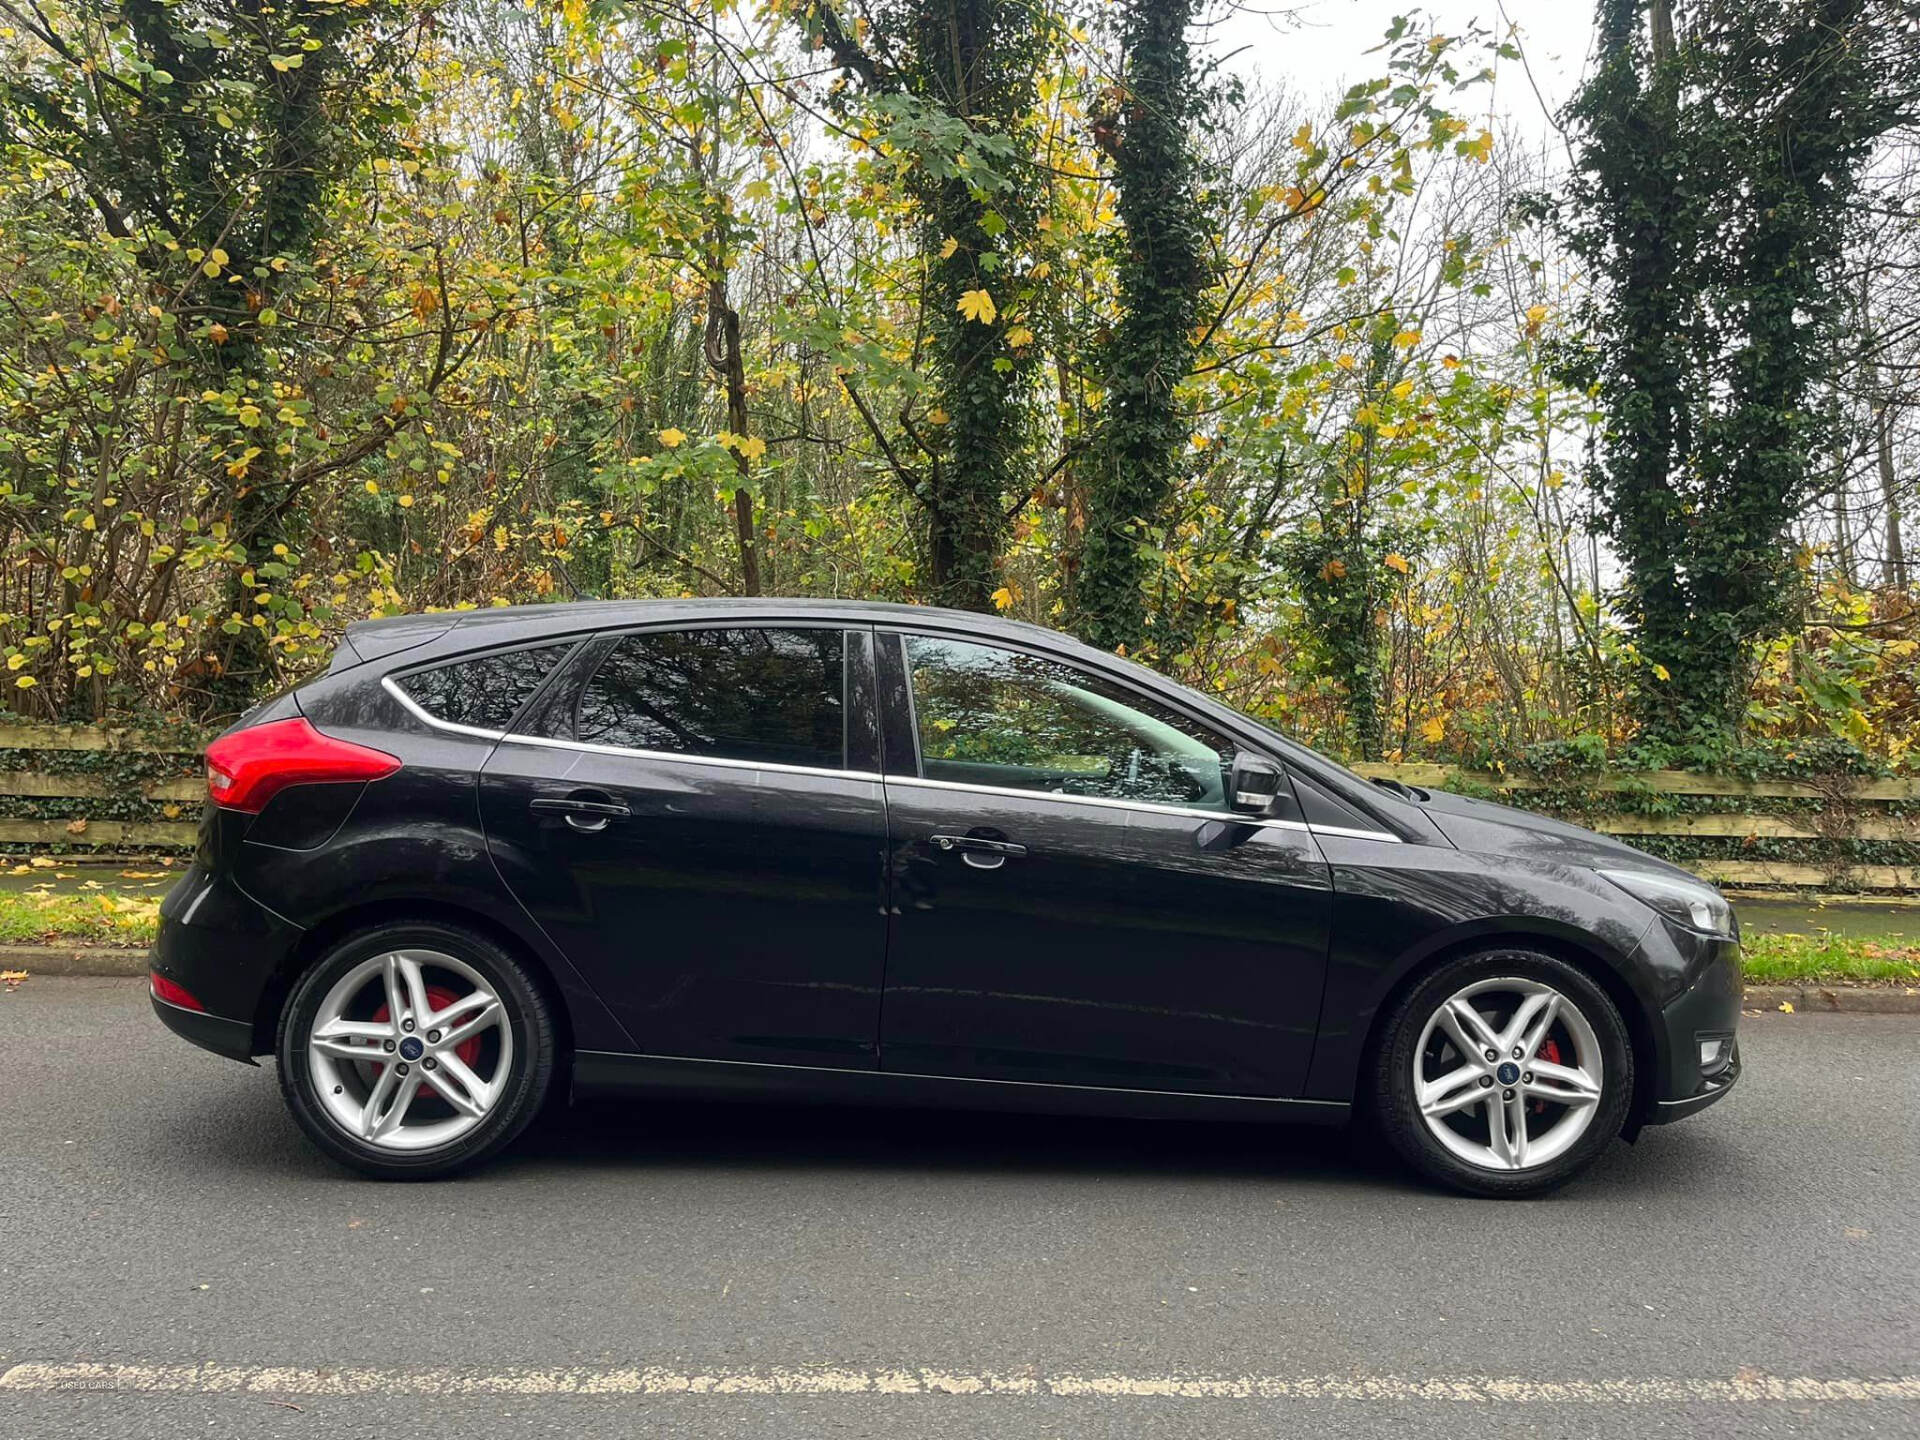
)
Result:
{"points": [[485, 691], [775, 696]]}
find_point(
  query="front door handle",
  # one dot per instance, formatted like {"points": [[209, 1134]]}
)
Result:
{"points": [[588, 811], [980, 852]]}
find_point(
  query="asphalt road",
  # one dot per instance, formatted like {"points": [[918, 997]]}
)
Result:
{"points": [[174, 1260]]}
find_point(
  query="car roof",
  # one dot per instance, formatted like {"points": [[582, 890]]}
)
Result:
{"points": [[508, 624]]}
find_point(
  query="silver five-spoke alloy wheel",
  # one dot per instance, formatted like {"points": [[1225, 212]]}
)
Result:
{"points": [[1508, 1073], [410, 1050]]}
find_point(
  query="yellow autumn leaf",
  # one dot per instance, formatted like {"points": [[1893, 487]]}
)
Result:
{"points": [[1786, 1007], [977, 305], [26, 682], [1003, 598], [1333, 570], [672, 438], [1019, 337], [946, 250], [1434, 731], [406, 502], [373, 487], [751, 447], [1200, 442], [1395, 561], [1660, 673], [1407, 339]]}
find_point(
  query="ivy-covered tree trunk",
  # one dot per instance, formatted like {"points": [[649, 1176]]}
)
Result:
{"points": [[1163, 269], [960, 77], [1720, 155]]}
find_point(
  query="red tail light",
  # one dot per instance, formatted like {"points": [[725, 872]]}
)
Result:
{"points": [[249, 767], [165, 989]]}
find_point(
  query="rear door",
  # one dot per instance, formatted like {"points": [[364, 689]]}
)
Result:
{"points": [[1073, 903], [694, 815]]}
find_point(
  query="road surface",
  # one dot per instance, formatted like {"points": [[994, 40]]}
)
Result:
{"points": [[175, 1260]]}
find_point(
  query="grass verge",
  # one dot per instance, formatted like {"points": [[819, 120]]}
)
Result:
{"points": [[106, 917], [100, 917], [1826, 958]]}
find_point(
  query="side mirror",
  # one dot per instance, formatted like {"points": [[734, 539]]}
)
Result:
{"points": [[1255, 782]]}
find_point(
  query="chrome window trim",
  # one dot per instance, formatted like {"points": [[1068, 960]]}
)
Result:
{"points": [[672, 757], [390, 682], [1108, 802], [420, 713], [958, 787], [1347, 832]]}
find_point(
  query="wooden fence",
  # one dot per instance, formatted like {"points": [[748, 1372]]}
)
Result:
{"points": [[167, 799], [1850, 810]]}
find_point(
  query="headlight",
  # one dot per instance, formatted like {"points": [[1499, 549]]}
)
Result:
{"points": [[1698, 907]]}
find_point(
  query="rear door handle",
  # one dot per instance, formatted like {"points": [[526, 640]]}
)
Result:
{"points": [[583, 812], [982, 854]]}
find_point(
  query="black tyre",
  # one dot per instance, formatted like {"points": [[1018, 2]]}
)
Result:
{"points": [[1503, 1073], [414, 1050]]}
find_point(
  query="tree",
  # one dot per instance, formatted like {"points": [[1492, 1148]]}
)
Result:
{"points": [[1720, 152], [954, 82], [206, 139], [1164, 266]]}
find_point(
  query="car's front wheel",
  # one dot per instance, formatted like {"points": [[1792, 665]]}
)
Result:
{"points": [[413, 1050], [1504, 1073]]}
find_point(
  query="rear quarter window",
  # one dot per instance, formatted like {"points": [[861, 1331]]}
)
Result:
{"points": [[484, 692]]}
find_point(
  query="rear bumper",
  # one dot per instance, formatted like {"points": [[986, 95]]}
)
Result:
{"points": [[224, 949], [231, 1038]]}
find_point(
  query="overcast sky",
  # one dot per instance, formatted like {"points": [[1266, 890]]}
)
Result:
{"points": [[1319, 46]]}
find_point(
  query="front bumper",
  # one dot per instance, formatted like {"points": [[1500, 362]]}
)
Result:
{"points": [[1710, 1006], [224, 949], [1714, 1088]]}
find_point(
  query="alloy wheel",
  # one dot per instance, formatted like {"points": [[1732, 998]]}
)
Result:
{"points": [[410, 1050], [1508, 1073]]}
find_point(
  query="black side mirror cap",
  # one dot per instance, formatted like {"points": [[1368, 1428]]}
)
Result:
{"points": [[1255, 784]]}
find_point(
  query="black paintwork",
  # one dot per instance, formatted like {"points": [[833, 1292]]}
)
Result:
{"points": [[760, 929]]}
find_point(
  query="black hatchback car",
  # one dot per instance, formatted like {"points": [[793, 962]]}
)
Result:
{"points": [[862, 852]]}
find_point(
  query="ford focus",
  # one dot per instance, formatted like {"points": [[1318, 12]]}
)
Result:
{"points": [[867, 853]]}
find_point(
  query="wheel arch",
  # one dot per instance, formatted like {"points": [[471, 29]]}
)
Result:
{"points": [[321, 938], [1587, 959]]}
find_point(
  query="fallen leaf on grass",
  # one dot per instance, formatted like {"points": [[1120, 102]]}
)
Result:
{"points": [[12, 978], [1786, 1007]]}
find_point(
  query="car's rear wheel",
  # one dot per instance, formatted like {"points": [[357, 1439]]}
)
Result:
{"points": [[1504, 1073], [413, 1050]]}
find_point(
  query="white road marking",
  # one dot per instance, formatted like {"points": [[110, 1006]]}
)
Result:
{"points": [[1747, 1387]]}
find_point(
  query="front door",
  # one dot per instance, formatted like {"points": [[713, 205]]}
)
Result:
{"points": [[1073, 902], [695, 817]]}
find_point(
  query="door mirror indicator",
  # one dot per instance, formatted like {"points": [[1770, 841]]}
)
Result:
{"points": [[1256, 781]]}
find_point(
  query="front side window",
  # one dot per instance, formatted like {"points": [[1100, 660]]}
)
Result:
{"points": [[767, 695], [484, 691], [988, 716]]}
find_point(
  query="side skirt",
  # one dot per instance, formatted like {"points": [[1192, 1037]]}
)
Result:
{"points": [[600, 1072]]}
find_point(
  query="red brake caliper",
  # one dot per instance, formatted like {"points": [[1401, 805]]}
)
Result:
{"points": [[1549, 1052], [439, 997]]}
